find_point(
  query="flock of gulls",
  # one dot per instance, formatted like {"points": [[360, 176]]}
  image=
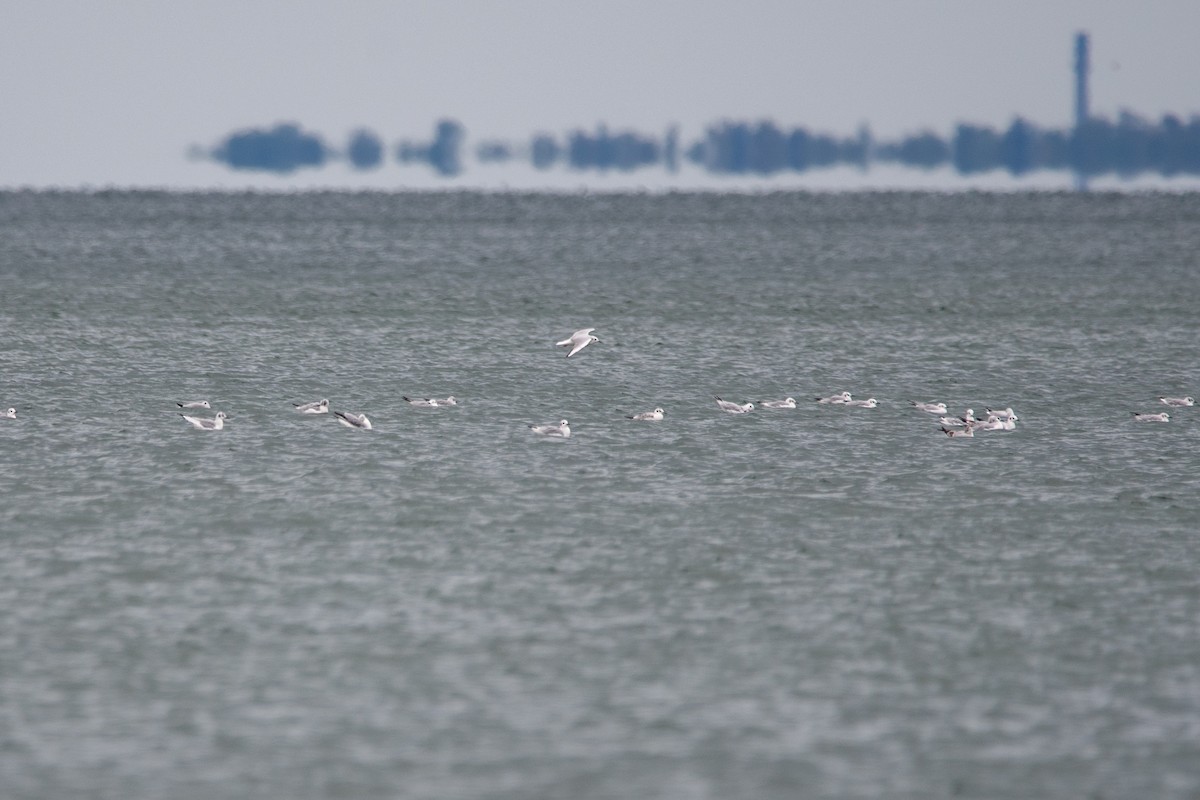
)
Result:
{"points": [[963, 426]]}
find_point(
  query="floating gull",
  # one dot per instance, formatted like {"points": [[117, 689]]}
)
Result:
{"points": [[955, 433], [789, 402], [1178, 402], [648, 416], [994, 423], [194, 404], [562, 430], [1004, 413], [952, 422], [734, 408], [430, 402], [421, 402], [870, 403], [836, 399], [351, 420], [932, 408], [215, 424], [319, 407], [1163, 417], [10, 414], [578, 340], [968, 417]]}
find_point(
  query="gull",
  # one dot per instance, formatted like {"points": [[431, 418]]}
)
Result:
{"points": [[871, 403], [994, 423], [562, 430], [789, 402], [194, 404], [734, 408], [1177, 402], [968, 417], [1163, 417], [578, 340], [952, 422], [10, 414], [1004, 413], [318, 407], [648, 416], [430, 402], [932, 408], [351, 420], [215, 424], [837, 399], [954, 433]]}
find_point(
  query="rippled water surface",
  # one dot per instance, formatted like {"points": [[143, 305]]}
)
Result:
{"points": [[822, 603]]}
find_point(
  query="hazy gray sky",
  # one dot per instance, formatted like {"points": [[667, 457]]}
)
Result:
{"points": [[113, 93]]}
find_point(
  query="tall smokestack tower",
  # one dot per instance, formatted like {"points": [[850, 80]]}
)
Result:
{"points": [[1081, 109], [1081, 79]]}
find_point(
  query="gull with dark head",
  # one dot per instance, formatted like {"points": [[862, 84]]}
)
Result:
{"points": [[215, 424], [578, 340], [562, 430]]}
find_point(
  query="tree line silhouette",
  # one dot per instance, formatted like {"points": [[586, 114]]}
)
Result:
{"points": [[1128, 147]]}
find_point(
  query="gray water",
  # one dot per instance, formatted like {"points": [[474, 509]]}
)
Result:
{"points": [[816, 603]]}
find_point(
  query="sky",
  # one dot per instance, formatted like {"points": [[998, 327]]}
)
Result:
{"points": [[113, 94]]}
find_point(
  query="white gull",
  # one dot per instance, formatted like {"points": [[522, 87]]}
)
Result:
{"points": [[835, 399], [1163, 417], [1177, 402], [733, 408], [994, 423], [352, 420], [578, 340], [562, 430], [318, 407], [648, 416], [789, 402], [194, 404], [430, 402], [214, 424]]}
